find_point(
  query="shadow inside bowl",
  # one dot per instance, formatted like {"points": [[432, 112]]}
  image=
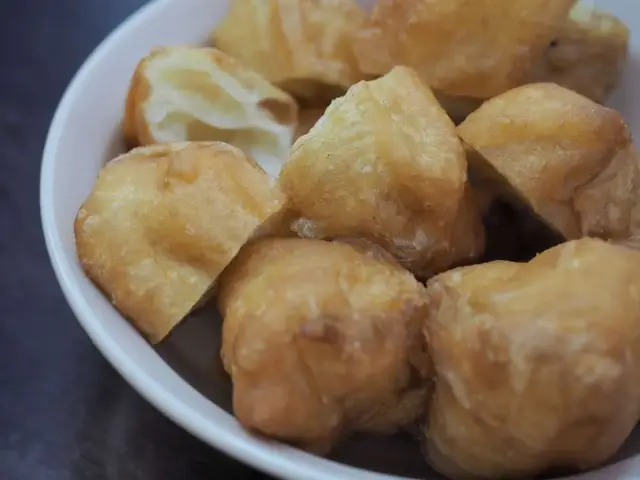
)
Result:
{"points": [[193, 351]]}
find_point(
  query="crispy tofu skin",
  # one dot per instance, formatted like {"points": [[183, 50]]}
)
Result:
{"points": [[201, 94], [303, 46], [567, 158], [384, 163], [467, 48], [320, 339], [162, 222], [537, 364]]}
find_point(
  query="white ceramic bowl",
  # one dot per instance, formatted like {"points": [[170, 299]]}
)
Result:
{"points": [[183, 378]]}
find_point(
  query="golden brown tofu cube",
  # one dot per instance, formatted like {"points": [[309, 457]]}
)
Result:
{"points": [[320, 339], [201, 94], [303, 46], [537, 365], [472, 48], [563, 156], [587, 54], [162, 222], [384, 163]]}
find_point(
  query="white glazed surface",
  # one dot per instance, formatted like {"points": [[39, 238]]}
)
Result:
{"points": [[84, 134]]}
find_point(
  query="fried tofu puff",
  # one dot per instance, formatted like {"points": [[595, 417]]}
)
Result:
{"points": [[384, 163], [562, 155], [537, 364], [163, 221], [201, 94], [587, 54], [467, 48], [319, 339], [303, 46]]}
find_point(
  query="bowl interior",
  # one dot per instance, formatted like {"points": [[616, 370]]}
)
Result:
{"points": [[183, 376]]}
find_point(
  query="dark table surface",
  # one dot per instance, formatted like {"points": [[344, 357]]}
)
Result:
{"points": [[64, 412]]}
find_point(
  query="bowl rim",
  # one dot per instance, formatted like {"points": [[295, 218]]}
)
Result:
{"points": [[255, 455]]}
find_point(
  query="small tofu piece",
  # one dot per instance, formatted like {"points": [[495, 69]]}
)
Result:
{"points": [[537, 364], [466, 48], [320, 339], [201, 94], [384, 163], [163, 221], [302, 46], [587, 54], [565, 158]]}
